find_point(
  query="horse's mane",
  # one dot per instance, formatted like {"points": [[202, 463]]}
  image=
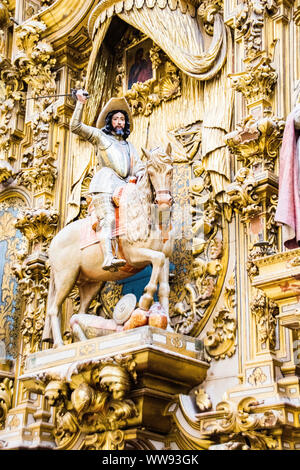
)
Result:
{"points": [[136, 205], [135, 208]]}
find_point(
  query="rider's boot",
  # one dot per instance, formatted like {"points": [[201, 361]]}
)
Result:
{"points": [[111, 262], [105, 211]]}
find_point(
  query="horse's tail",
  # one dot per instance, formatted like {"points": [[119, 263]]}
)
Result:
{"points": [[47, 332]]}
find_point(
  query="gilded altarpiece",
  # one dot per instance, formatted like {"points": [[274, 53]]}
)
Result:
{"points": [[217, 83]]}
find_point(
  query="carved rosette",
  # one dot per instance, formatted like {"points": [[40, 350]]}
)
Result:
{"points": [[6, 394], [265, 312], [93, 403]]}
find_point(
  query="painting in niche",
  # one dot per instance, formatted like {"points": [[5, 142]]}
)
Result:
{"points": [[138, 63]]}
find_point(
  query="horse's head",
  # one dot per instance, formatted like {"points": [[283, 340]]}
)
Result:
{"points": [[160, 171]]}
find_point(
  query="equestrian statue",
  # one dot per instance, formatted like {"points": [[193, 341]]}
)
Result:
{"points": [[123, 232]]}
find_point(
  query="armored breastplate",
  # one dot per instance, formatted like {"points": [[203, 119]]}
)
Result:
{"points": [[115, 154]]}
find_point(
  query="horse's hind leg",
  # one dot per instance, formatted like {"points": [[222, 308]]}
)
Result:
{"points": [[164, 289], [87, 292], [64, 282]]}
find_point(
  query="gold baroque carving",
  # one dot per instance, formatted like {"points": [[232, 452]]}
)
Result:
{"points": [[207, 11], [257, 142], [165, 84], [242, 194], [241, 426], [93, 402], [257, 82], [265, 312], [33, 275], [10, 301], [203, 401], [39, 226], [249, 21], [6, 394], [34, 60], [220, 341], [257, 377], [11, 87], [207, 250]]}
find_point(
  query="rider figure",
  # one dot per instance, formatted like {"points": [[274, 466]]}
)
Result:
{"points": [[118, 160]]}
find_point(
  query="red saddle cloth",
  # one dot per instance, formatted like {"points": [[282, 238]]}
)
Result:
{"points": [[90, 234]]}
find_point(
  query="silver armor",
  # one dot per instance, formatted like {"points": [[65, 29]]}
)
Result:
{"points": [[118, 160], [113, 153]]}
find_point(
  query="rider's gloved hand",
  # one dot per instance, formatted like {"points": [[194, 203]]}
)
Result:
{"points": [[82, 95]]}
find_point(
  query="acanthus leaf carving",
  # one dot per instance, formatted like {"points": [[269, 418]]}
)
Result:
{"points": [[6, 394], [241, 425]]}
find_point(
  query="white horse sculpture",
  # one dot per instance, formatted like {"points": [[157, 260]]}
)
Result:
{"points": [[141, 246]]}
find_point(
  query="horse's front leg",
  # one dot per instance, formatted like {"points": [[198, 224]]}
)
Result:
{"points": [[164, 288], [157, 259]]}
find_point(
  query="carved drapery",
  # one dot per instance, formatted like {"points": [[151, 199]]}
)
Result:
{"points": [[181, 40]]}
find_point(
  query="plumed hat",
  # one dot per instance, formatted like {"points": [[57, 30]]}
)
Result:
{"points": [[114, 104]]}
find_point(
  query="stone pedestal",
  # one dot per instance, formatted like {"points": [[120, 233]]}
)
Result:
{"points": [[104, 387]]}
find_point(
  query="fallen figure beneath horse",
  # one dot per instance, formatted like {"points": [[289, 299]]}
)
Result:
{"points": [[141, 241]]}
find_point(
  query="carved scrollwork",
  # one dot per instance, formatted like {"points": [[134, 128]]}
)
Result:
{"points": [[39, 226], [207, 11], [242, 426], [94, 401], [220, 341], [250, 21]]}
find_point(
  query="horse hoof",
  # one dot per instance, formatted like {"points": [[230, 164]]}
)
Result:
{"points": [[58, 345]]}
